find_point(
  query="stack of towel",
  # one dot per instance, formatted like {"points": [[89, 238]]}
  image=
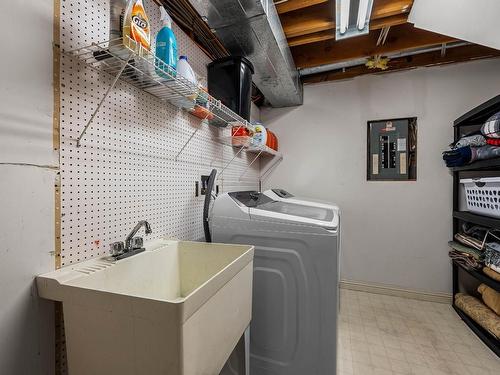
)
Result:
{"points": [[466, 251], [479, 146], [474, 249], [483, 312]]}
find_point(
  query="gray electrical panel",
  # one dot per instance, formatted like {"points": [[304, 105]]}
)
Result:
{"points": [[390, 149]]}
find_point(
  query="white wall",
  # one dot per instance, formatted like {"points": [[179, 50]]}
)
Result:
{"points": [[27, 177], [394, 233]]}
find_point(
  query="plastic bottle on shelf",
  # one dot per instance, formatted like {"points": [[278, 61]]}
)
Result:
{"points": [[185, 70], [185, 76], [166, 48], [260, 135], [136, 25]]}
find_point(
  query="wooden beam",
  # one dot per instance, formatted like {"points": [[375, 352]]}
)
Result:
{"points": [[314, 19], [453, 55], [401, 38], [387, 8], [291, 5], [311, 38], [395, 20], [330, 34]]}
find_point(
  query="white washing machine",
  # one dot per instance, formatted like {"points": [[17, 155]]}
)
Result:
{"points": [[296, 277]]}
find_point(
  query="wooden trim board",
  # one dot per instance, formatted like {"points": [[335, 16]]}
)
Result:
{"points": [[396, 292], [60, 345]]}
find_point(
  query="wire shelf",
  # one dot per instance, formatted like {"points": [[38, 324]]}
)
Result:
{"points": [[130, 62], [263, 149], [247, 144]]}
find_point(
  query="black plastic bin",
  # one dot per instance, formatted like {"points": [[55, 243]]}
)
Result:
{"points": [[230, 81]]}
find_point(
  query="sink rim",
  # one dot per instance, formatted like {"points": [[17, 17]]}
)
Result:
{"points": [[67, 277]]}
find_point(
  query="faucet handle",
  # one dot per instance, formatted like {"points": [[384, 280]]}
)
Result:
{"points": [[116, 248], [137, 242]]}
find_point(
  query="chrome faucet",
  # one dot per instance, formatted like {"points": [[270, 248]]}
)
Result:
{"points": [[133, 245], [130, 244]]}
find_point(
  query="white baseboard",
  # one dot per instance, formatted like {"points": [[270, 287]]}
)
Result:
{"points": [[397, 292]]}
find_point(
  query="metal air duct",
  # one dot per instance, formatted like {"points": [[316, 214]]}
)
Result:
{"points": [[252, 28]]}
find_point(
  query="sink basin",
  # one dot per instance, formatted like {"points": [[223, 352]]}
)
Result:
{"points": [[179, 308]]}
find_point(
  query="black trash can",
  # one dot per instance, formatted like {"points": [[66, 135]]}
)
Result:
{"points": [[230, 81]]}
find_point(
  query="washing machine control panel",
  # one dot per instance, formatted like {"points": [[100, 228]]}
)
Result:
{"points": [[250, 198], [282, 193]]}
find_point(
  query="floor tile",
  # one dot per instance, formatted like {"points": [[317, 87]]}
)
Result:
{"points": [[386, 335]]}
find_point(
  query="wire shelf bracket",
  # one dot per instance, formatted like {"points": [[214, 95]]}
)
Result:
{"points": [[110, 88]]}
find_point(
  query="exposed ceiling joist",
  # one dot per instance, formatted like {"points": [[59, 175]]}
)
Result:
{"points": [[291, 5], [330, 34], [379, 23], [401, 38], [317, 18], [454, 55], [387, 8], [311, 38]]}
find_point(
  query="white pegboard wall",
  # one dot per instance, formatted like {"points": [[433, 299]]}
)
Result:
{"points": [[126, 170]]}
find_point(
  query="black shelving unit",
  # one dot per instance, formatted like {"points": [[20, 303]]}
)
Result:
{"points": [[483, 278], [479, 165], [485, 221], [472, 121]]}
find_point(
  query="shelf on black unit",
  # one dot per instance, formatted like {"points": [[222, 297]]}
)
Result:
{"points": [[479, 114], [486, 221], [481, 277], [484, 335], [482, 164]]}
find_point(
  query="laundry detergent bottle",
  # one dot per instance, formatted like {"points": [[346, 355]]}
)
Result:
{"points": [[166, 47], [260, 135], [136, 24]]}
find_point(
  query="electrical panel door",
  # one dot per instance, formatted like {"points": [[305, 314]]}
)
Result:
{"points": [[388, 149]]}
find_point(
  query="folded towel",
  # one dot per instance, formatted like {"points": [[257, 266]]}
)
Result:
{"points": [[484, 153], [491, 297], [476, 254], [471, 140], [491, 127], [481, 314], [493, 142], [494, 268], [458, 157], [492, 258], [466, 260], [469, 241], [475, 231], [491, 273], [493, 246]]}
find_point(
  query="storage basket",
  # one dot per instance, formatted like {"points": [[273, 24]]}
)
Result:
{"points": [[483, 195]]}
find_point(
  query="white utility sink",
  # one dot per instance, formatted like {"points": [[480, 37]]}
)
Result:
{"points": [[179, 308]]}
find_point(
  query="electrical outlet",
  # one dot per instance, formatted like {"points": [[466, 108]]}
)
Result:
{"points": [[204, 184]]}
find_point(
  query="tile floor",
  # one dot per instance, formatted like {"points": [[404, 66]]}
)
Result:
{"points": [[385, 335]]}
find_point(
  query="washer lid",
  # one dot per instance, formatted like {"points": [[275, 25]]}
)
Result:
{"points": [[326, 217], [261, 206]]}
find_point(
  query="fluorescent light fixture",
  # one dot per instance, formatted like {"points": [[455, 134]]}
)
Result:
{"points": [[357, 22], [344, 15], [362, 13]]}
